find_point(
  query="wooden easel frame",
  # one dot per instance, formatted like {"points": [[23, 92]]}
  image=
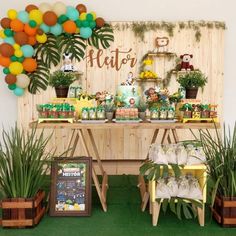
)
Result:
{"points": [[76, 135]]}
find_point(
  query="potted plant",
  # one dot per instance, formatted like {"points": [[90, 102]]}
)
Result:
{"points": [[187, 110], [191, 81], [142, 107], [205, 111], [109, 109], [220, 151], [61, 81], [23, 166]]}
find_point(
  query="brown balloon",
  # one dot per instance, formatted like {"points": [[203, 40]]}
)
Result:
{"points": [[31, 7], [81, 8], [21, 38], [40, 32], [50, 18], [100, 22], [10, 79], [6, 50], [5, 22]]}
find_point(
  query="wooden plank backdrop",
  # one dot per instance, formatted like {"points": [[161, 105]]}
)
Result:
{"points": [[208, 56]]}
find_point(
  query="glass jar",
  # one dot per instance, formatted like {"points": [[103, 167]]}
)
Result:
{"points": [[154, 114], [101, 114], [171, 113], [163, 113], [85, 114], [92, 114]]}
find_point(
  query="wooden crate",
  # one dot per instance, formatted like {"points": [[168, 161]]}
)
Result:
{"points": [[224, 211], [22, 212]]}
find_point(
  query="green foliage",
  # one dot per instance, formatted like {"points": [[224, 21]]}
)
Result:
{"points": [[192, 79], [39, 79], [23, 162], [61, 79], [142, 107], [48, 52], [72, 43], [102, 37], [110, 107], [220, 153]]}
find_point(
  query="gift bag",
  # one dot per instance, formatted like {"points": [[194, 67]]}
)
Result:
{"points": [[181, 155], [183, 190], [171, 154], [195, 191], [162, 190], [173, 186], [158, 154]]}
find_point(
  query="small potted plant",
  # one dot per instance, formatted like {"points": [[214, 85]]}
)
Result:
{"points": [[109, 108], [61, 81], [187, 110], [24, 163], [191, 81], [205, 111], [142, 107]]}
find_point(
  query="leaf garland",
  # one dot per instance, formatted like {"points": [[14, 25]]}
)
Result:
{"points": [[102, 37]]}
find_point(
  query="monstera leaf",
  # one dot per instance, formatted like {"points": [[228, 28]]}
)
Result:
{"points": [[39, 79], [102, 37], [49, 51], [73, 44]]}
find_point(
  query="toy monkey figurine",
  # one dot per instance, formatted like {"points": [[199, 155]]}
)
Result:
{"points": [[130, 80], [67, 63]]}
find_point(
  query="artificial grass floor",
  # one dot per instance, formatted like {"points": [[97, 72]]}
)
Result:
{"points": [[124, 217]]}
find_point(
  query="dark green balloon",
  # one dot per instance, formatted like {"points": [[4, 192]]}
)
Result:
{"points": [[6, 71], [14, 58], [12, 86], [89, 17], [8, 32], [85, 23], [92, 24], [32, 23], [78, 23], [62, 19], [20, 59]]}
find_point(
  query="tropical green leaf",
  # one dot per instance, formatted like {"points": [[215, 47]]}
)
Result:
{"points": [[74, 44], [165, 204], [172, 205], [102, 37], [49, 52], [39, 79]]}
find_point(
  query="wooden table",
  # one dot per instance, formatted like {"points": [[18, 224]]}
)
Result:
{"points": [[79, 129]]}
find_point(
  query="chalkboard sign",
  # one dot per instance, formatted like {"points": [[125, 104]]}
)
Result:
{"points": [[71, 187]]}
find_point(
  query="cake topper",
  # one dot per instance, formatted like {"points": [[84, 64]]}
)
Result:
{"points": [[130, 80], [161, 44]]}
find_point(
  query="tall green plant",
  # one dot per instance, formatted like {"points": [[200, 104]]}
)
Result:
{"points": [[23, 162], [220, 153]]}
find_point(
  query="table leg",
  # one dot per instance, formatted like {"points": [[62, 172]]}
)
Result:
{"points": [[155, 212], [175, 135]]}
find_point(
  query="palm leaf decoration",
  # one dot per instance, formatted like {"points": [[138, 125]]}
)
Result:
{"points": [[102, 37], [48, 52], [73, 44], [39, 79]]}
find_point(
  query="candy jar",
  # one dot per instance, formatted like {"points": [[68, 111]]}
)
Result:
{"points": [[92, 113], [171, 113], [100, 113], [163, 113], [154, 114], [85, 113]]}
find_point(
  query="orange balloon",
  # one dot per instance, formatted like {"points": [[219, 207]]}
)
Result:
{"points": [[21, 38], [32, 40], [50, 18], [30, 31], [10, 79], [4, 61], [69, 27], [31, 7], [29, 64], [17, 25]]}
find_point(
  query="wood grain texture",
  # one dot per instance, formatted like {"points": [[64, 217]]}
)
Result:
{"points": [[208, 56]]}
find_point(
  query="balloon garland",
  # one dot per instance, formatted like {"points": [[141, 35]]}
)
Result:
{"points": [[23, 31]]}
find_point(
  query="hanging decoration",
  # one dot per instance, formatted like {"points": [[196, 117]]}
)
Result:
{"points": [[35, 38]]}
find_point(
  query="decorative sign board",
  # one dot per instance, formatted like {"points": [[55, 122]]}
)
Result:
{"points": [[71, 187]]}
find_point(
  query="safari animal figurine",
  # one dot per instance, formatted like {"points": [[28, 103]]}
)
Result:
{"points": [[185, 62], [67, 63], [130, 80], [161, 44]]}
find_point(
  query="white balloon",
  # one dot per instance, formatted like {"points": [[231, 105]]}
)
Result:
{"points": [[22, 81], [44, 7], [59, 8]]}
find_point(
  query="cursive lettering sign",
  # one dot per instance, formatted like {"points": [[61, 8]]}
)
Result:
{"points": [[117, 59]]}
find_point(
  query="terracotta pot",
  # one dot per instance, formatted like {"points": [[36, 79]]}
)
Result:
{"points": [[187, 114], [205, 114], [43, 114], [62, 92], [191, 93]]}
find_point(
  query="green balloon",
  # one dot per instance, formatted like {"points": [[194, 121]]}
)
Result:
{"points": [[8, 32], [12, 86], [85, 23], [32, 23], [92, 24], [62, 19], [20, 59], [89, 17], [6, 71], [14, 58], [78, 23]]}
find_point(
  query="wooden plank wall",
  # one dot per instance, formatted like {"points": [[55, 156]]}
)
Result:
{"points": [[208, 56]]}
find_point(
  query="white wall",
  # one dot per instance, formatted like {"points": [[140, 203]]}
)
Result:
{"points": [[169, 10]]}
